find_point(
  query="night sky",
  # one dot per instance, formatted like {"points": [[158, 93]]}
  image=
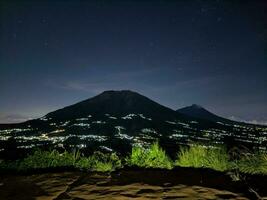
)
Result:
{"points": [[56, 53]]}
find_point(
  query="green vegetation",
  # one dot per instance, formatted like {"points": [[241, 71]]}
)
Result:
{"points": [[252, 164], [53, 159], [154, 157], [197, 156], [218, 159], [99, 162], [49, 159]]}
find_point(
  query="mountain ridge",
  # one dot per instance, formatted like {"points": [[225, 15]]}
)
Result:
{"points": [[118, 120], [125, 102], [114, 102], [200, 112]]}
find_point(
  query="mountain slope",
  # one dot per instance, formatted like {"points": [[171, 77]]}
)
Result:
{"points": [[199, 112], [117, 103], [118, 120]]}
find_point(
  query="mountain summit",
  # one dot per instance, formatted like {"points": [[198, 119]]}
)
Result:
{"points": [[116, 103], [200, 112]]}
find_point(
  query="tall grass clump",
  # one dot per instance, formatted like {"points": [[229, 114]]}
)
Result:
{"points": [[49, 159], [253, 163], [53, 159], [203, 157], [99, 162], [154, 157]]}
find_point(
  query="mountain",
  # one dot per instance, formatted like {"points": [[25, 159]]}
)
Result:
{"points": [[117, 103], [199, 112], [118, 120]]}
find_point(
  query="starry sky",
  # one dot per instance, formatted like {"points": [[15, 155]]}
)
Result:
{"points": [[208, 52]]}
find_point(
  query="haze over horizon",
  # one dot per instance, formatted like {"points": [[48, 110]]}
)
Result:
{"points": [[177, 53]]}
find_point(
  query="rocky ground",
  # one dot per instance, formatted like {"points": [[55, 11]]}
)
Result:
{"points": [[124, 184]]}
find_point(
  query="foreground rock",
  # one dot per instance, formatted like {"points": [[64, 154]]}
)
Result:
{"points": [[125, 184]]}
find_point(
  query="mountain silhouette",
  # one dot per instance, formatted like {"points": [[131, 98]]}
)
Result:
{"points": [[199, 112], [117, 103], [117, 120]]}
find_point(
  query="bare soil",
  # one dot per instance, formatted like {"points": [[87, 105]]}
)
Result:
{"points": [[125, 184]]}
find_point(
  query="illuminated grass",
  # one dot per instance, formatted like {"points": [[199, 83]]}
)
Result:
{"points": [[195, 156], [49, 159], [154, 157], [53, 159], [99, 162], [202, 157]]}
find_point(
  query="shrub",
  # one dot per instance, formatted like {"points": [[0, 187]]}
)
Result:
{"points": [[253, 163], [198, 156], [154, 157]]}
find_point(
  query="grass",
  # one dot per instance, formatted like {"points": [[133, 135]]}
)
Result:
{"points": [[204, 157], [99, 162], [53, 159], [154, 157], [195, 156], [218, 159], [49, 159], [253, 163]]}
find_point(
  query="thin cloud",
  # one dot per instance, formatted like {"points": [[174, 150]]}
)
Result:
{"points": [[13, 118], [253, 121], [108, 81]]}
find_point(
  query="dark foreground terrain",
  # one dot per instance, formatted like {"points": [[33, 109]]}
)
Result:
{"points": [[131, 184]]}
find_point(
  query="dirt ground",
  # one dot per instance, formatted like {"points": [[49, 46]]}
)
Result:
{"points": [[120, 185]]}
